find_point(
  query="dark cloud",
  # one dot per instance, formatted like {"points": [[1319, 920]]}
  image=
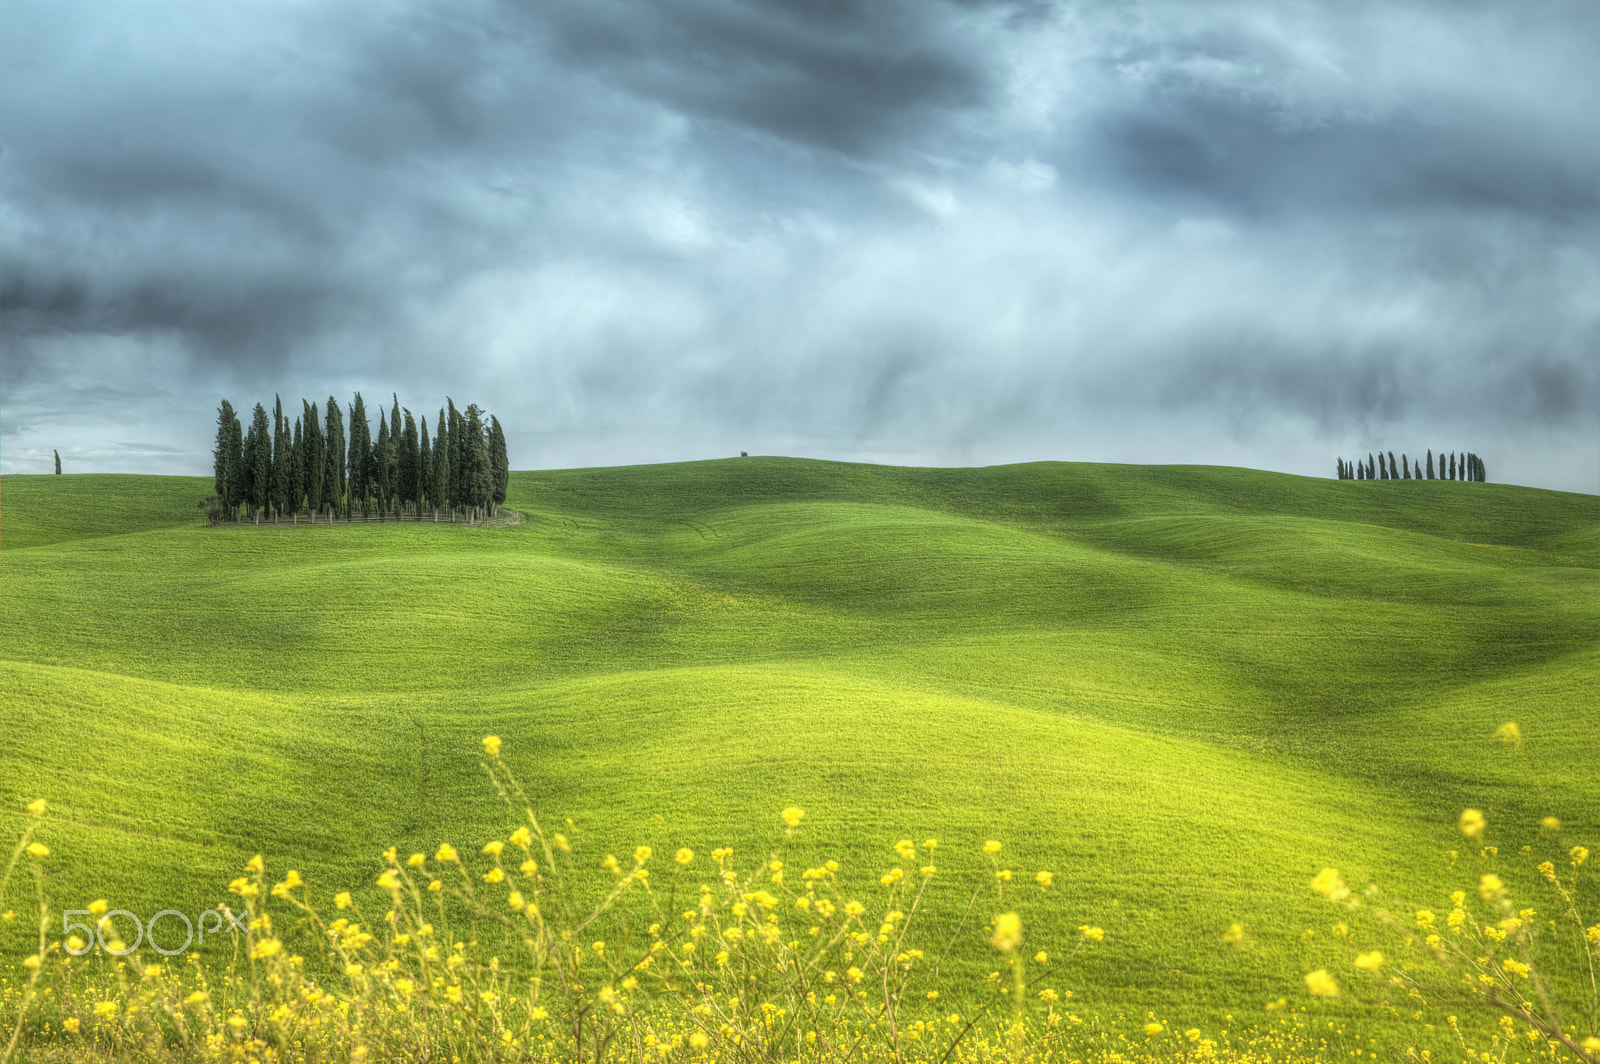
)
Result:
{"points": [[934, 232]]}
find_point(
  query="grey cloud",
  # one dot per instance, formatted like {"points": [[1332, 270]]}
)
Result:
{"points": [[951, 231]]}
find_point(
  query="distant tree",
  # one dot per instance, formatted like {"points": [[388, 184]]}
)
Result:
{"points": [[58, 462], [360, 455], [1452, 465], [1372, 467], [1405, 467], [499, 464], [1339, 463], [260, 461], [1430, 463]]}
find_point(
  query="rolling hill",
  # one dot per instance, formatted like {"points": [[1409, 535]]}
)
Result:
{"points": [[1182, 689]]}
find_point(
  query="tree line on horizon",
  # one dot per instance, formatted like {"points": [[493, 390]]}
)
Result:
{"points": [[315, 466], [1466, 466]]}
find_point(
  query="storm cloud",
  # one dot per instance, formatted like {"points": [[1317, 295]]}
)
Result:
{"points": [[934, 233]]}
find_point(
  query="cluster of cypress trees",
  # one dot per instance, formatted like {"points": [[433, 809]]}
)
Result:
{"points": [[314, 466], [1467, 466]]}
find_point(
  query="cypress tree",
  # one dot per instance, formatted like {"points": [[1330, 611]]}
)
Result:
{"points": [[441, 464], [1372, 467], [260, 462], [219, 454], [1394, 470], [409, 463], [458, 461], [296, 483], [314, 460], [1430, 463], [333, 480], [280, 460], [499, 463], [360, 455], [1405, 467], [425, 468], [236, 469], [58, 462], [479, 477], [396, 438], [1452, 465], [250, 448], [1383, 470], [1339, 463], [381, 464]]}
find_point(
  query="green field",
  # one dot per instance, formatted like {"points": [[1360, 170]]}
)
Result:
{"points": [[1182, 689]]}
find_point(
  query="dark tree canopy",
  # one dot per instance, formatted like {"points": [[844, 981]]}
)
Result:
{"points": [[319, 465]]}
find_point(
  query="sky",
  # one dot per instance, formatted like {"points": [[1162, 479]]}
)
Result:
{"points": [[919, 232]]}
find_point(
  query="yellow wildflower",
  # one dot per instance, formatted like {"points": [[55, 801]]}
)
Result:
{"points": [[105, 1009], [1489, 885], [388, 880], [1328, 883], [642, 854], [1093, 934], [446, 852], [38, 850], [72, 1023], [1369, 962], [792, 816], [1472, 823], [1578, 855], [1509, 733], [522, 838], [493, 847], [1550, 824], [1321, 984], [991, 847], [491, 745], [1041, 957], [99, 906], [684, 856], [341, 900], [1007, 932], [1152, 1029], [1044, 879], [36, 807]]}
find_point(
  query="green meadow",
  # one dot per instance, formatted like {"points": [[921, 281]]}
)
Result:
{"points": [[1183, 690]]}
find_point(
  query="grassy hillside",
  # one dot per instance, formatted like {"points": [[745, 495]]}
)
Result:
{"points": [[1182, 689]]}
